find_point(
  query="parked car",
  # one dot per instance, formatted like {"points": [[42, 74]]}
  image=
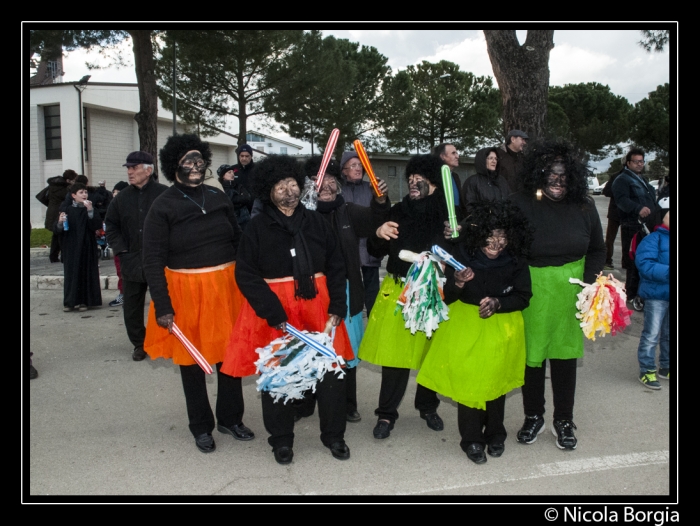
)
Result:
{"points": [[592, 183], [598, 190]]}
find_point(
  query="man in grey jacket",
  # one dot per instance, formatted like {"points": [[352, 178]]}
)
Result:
{"points": [[124, 228], [357, 191]]}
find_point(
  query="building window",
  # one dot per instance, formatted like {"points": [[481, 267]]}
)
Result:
{"points": [[52, 131], [254, 137], [283, 150], [392, 171]]}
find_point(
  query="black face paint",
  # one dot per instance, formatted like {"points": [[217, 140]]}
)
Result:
{"points": [[192, 162], [555, 187], [422, 187]]}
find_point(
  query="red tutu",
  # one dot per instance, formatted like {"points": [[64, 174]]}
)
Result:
{"points": [[251, 332], [206, 304]]}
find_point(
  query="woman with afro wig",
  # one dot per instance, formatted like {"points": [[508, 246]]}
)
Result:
{"points": [[415, 224], [290, 268], [568, 243], [478, 355], [190, 243]]}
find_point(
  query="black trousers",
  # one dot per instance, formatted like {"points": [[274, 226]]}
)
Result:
{"points": [[370, 280], [306, 406], [134, 299], [632, 279], [610, 235], [485, 427], [278, 417], [563, 376], [394, 383], [229, 399]]}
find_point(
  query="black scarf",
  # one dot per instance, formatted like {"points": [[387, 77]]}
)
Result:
{"points": [[326, 207], [304, 281]]}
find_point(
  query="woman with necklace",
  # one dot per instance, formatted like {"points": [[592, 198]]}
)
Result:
{"points": [[190, 239], [568, 243]]}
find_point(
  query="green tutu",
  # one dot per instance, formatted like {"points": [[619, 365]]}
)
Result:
{"points": [[387, 342], [552, 329], [474, 360]]}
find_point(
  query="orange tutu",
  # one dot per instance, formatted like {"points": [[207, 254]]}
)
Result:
{"points": [[251, 332], [206, 307]]}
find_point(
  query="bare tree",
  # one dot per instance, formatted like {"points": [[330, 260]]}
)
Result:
{"points": [[522, 72]]}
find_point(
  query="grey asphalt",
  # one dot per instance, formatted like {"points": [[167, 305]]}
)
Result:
{"points": [[97, 425]]}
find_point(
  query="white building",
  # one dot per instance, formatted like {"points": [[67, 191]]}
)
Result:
{"points": [[265, 144], [108, 132]]}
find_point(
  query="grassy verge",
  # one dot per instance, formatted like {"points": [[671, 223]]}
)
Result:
{"points": [[40, 237]]}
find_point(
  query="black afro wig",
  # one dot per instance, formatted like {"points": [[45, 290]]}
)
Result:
{"points": [[483, 217], [428, 166], [175, 149], [539, 159], [273, 169], [312, 165]]}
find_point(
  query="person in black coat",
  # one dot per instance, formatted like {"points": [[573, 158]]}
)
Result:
{"points": [[236, 192], [350, 223], [81, 283]]}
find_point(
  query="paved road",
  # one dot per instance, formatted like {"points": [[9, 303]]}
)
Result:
{"points": [[100, 426]]}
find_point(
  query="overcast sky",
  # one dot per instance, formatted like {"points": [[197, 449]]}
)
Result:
{"points": [[610, 57]]}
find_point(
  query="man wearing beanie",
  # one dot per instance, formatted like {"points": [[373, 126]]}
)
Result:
{"points": [[244, 168], [357, 191]]}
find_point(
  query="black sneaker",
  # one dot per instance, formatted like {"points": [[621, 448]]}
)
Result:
{"points": [[532, 427], [564, 431], [663, 373]]}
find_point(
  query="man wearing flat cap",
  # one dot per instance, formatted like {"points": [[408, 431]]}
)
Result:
{"points": [[510, 158], [124, 227], [243, 170]]}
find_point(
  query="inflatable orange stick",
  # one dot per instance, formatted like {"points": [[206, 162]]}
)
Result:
{"points": [[362, 154]]}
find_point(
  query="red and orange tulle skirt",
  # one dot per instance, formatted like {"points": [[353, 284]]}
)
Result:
{"points": [[206, 303], [251, 332]]}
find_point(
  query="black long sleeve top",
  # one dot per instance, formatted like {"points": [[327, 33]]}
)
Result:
{"points": [[350, 222], [421, 224], [506, 278], [264, 253], [177, 234], [564, 232], [124, 226]]}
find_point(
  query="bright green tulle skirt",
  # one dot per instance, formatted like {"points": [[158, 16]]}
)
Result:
{"points": [[387, 342], [474, 360]]}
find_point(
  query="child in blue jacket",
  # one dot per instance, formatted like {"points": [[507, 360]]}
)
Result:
{"points": [[652, 261]]}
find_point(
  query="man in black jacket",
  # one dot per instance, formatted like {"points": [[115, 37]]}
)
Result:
{"points": [[243, 170], [124, 228], [636, 203], [511, 157]]}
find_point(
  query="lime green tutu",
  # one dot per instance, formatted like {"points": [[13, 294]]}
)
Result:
{"points": [[387, 342], [474, 360], [552, 329]]}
